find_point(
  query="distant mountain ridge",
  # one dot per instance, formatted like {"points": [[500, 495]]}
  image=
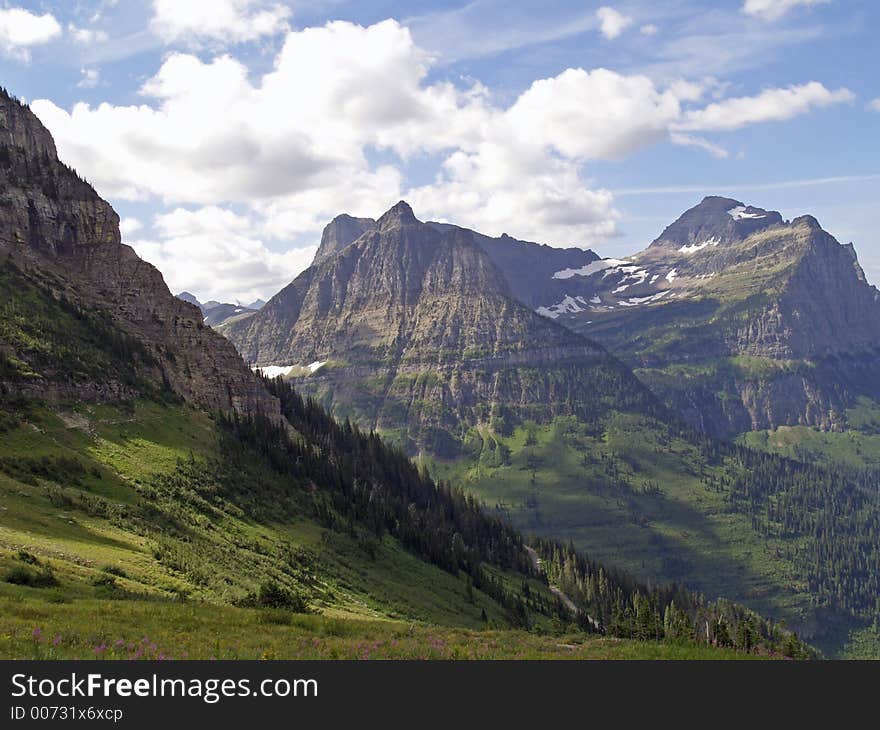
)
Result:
{"points": [[216, 313], [727, 280], [418, 331]]}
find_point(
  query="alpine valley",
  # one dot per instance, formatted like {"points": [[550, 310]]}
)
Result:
{"points": [[702, 412], [458, 446]]}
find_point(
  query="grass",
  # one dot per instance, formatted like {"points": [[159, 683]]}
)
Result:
{"points": [[33, 627], [633, 497], [852, 448], [129, 517]]}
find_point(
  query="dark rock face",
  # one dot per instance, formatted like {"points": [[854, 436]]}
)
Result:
{"points": [[728, 281], [722, 219], [420, 332], [340, 232], [529, 268], [54, 222]]}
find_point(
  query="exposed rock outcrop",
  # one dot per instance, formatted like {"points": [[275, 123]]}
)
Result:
{"points": [[420, 332], [53, 222]]}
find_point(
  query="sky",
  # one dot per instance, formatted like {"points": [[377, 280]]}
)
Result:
{"points": [[227, 133]]}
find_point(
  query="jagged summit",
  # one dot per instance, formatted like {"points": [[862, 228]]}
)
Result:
{"points": [[414, 327], [716, 220], [342, 231], [400, 214]]}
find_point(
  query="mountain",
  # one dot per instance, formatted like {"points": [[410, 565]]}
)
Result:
{"points": [[342, 231], [739, 320], [413, 329], [60, 244], [217, 313], [159, 500], [527, 267], [186, 296]]}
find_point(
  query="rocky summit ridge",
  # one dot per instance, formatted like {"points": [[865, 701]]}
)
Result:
{"points": [[413, 327]]}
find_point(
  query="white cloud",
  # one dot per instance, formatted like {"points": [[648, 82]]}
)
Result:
{"points": [[129, 226], [229, 21], [769, 106], [86, 36], [90, 78], [334, 126], [875, 105], [20, 30], [213, 252], [689, 140], [775, 9], [649, 29], [611, 22], [597, 114]]}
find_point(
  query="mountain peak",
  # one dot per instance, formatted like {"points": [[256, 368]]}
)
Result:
{"points": [[400, 214], [808, 221], [716, 219], [342, 231]]}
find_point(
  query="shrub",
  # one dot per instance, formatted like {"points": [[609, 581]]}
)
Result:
{"points": [[22, 576], [272, 595], [25, 557]]}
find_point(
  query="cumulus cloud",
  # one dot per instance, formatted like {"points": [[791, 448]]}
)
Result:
{"points": [[213, 252], [229, 21], [129, 226], [597, 114], [611, 22], [337, 123], [21, 29], [775, 9]]}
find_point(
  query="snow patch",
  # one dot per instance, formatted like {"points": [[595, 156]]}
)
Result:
{"points": [[694, 247], [636, 301], [274, 371], [739, 213], [670, 277], [592, 268], [569, 305]]}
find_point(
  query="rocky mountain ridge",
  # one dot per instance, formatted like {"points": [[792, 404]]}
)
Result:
{"points": [[767, 307], [413, 326], [56, 231]]}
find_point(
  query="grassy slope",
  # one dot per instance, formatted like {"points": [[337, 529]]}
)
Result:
{"points": [[33, 626], [72, 481], [858, 447], [635, 498]]}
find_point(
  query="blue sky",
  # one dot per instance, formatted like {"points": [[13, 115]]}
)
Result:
{"points": [[226, 133]]}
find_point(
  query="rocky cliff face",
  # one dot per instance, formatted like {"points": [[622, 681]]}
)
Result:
{"points": [[744, 305], [56, 227], [340, 232], [413, 327]]}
